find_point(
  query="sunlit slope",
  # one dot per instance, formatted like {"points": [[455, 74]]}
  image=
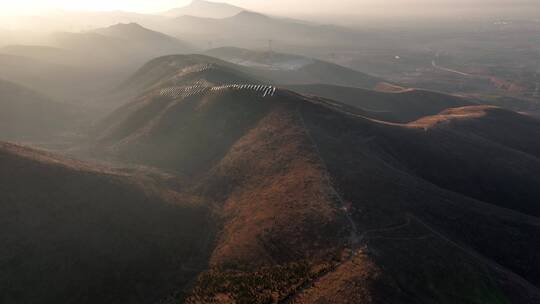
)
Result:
{"points": [[406, 229]]}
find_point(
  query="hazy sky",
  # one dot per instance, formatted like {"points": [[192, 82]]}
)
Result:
{"points": [[349, 7]]}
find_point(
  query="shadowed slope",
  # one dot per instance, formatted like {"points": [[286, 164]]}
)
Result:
{"points": [[77, 232], [411, 227], [507, 128], [405, 106]]}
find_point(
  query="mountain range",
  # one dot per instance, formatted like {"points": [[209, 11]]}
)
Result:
{"points": [[139, 168], [284, 33]]}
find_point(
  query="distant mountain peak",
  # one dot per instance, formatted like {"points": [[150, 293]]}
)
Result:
{"points": [[204, 2], [125, 27], [130, 24], [131, 28], [205, 9], [141, 35], [250, 15]]}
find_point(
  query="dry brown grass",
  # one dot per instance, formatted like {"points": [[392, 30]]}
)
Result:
{"points": [[351, 282], [277, 197], [389, 88], [469, 112]]}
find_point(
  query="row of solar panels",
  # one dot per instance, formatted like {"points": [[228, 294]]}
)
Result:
{"points": [[184, 92], [265, 90]]}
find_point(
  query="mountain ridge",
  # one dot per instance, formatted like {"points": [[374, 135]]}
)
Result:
{"points": [[278, 160]]}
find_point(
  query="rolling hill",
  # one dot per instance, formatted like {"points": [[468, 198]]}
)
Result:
{"points": [[145, 38], [289, 69], [119, 45], [186, 69], [177, 70], [82, 67], [314, 199], [404, 106], [61, 81], [81, 232], [27, 115]]}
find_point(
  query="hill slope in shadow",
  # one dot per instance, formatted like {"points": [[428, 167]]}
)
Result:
{"points": [[75, 231], [405, 105]]}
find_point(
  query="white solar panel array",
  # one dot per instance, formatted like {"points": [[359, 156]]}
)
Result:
{"points": [[200, 87], [264, 90], [183, 92]]}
